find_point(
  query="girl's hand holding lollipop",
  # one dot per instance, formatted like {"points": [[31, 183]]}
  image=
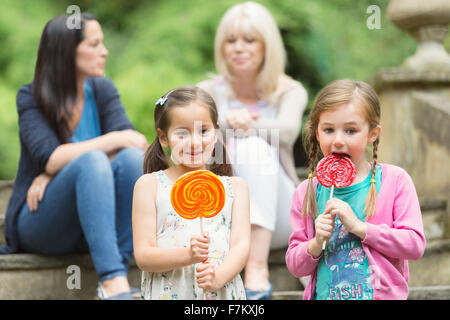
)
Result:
{"points": [[335, 170], [200, 194]]}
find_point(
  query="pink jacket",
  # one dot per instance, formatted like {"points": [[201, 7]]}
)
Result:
{"points": [[394, 235]]}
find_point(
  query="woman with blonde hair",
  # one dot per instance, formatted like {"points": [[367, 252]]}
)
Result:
{"points": [[260, 112]]}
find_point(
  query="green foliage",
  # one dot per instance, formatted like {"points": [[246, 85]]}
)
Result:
{"points": [[21, 23], [157, 45], [9, 136]]}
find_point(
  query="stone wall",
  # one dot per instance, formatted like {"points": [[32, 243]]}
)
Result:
{"points": [[415, 120]]}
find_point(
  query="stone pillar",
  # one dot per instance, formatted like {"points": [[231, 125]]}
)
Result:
{"points": [[415, 120], [426, 21], [415, 99]]}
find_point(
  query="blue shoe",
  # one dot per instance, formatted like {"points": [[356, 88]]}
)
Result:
{"points": [[259, 295], [101, 295]]}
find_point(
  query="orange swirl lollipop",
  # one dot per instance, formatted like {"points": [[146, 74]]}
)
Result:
{"points": [[198, 193]]}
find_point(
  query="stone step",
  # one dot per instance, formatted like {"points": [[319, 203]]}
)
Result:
{"points": [[279, 275], [302, 172], [440, 292], [287, 295], [436, 218], [30, 277], [5, 192], [415, 293], [433, 269]]}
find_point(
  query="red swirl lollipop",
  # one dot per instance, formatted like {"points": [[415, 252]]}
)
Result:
{"points": [[336, 170]]}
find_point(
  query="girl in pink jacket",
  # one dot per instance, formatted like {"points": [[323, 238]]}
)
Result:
{"points": [[372, 227]]}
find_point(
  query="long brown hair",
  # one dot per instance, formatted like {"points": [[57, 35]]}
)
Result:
{"points": [[335, 94], [55, 82], [155, 159]]}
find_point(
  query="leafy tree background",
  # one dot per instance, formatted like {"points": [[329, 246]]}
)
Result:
{"points": [[157, 45]]}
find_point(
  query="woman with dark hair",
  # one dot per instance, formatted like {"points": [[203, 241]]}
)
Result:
{"points": [[80, 158]]}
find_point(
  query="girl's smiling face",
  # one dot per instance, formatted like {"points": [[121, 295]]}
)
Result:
{"points": [[191, 136], [345, 129]]}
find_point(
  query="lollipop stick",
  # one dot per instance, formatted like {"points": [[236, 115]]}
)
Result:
{"points": [[185, 191], [201, 232], [331, 196], [201, 225]]}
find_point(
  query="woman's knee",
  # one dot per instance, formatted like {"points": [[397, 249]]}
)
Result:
{"points": [[132, 155], [130, 159], [94, 161]]}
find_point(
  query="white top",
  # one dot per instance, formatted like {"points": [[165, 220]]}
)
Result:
{"points": [[174, 231], [284, 115]]}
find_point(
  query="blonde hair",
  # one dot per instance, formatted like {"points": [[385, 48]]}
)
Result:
{"points": [[335, 94], [253, 18]]}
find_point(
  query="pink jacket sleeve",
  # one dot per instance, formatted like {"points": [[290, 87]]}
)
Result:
{"points": [[397, 229], [298, 260]]}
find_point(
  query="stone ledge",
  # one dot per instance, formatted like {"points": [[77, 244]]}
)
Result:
{"points": [[287, 295], [36, 261], [433, 268], [427, 204], [25, 261], [278, 256], [402, 76], [437, 247], [415, 293], [54, 283], [429, 293], [5, 184], [302, 172], [6, 187]]}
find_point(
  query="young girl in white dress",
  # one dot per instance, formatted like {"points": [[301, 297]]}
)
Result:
{"points": [[177, 261]]}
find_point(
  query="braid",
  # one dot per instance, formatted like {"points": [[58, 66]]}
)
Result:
{"points": [[375, 153], [313, 151], [371, 198], [310, 204]]}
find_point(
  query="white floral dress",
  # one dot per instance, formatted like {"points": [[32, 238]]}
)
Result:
{"points": [[175, 232]]}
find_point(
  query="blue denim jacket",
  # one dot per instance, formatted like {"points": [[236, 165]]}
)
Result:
{"points": [[38, 141]]}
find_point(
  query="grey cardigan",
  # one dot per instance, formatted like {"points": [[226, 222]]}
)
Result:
{"points": [[38, 141]]}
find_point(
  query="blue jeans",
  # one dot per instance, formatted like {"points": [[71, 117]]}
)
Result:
{"points": [[87, 208]]}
